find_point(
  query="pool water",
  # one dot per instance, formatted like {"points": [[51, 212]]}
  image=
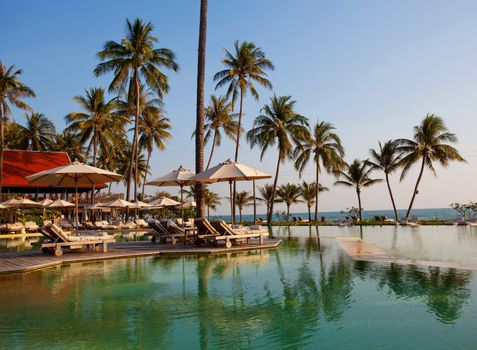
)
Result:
{"points": [[305, 294]]}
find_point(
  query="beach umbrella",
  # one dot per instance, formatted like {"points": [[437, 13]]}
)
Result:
{"points": [[2, 206], [141, 205], [59, 204], [230, 171], [180, 177], [164, 202], [45, 202], [190, 205], [119, 203], [73, 174], [22, 203]]}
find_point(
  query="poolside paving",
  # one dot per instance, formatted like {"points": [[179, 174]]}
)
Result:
{"points": [[34, 259], [360, 250]]}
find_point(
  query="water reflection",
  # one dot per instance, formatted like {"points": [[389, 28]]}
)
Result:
{"points": [[302, 294]]}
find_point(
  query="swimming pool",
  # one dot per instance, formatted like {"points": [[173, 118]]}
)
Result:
{"points": [[305, 294]]}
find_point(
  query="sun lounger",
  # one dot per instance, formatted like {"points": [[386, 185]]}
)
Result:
{"points": [[413, 222], [31, 226], [230, 235], [57, 240], [141, 223], [205, 232], [65, 225], [16, 227], [162, 233]]}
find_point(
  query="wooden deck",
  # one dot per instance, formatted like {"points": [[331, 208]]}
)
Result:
{"points": [[358, 249], [12, 262]]}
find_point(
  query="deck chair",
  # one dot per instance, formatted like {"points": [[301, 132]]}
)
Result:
{"points": [[175, 230], [205, 232], [141, 223], [233, 235], [31, 226], [161, 232], [57, 240]]}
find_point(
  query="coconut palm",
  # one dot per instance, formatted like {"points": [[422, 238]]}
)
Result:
{"points": [[357, 175], [242, 71], [199, 127], [153, 130], [96, 124], [38, 134], [12, 136], [308, 194], [70, 143], [278, 125], [219, 116], [430, 144], [387, 159], [266, 195], [243, 199], [125, 167], [212, 200], [325, 148], [132, 59], [12, 93], [289, 194]]}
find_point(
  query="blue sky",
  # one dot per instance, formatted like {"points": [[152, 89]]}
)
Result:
{"points": [[372, 68]]}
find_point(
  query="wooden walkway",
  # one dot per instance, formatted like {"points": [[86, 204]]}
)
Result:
{"points": [[358, 249], [33, 260]]}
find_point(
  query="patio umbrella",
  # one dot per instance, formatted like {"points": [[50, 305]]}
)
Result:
{"points": [[230, 171], [141, 205], [190, 205], [73, 174], [164, 202], [180, 177], [45, 202], [60, 204], [22, 203], [2, 206]]}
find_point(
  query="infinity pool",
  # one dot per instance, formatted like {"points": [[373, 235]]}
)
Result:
{"points": [[305, 294]]}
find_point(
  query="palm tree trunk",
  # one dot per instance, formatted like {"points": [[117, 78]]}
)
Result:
{"points": [[240, 214], [212, 150], [358, 192], [2, 146], [309, 213], [270, 213], [237, 144], [95, 146], [288, 214], [199, 128], [317, 190], [145, 174], [416, 187], [136, 134], [392, 198]]}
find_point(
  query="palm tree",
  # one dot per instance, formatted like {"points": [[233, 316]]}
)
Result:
{"points": [[199, 127], [12, 136], [243, 199], [96, 125], [219, 116], [278, 125], [125, 167], [38, 134], [132, 58], [324, 147], [212, 200], [153, 128], [289, 194], [431, 143], [12, 93], [70, 143], [357, 175], [308, 193], [388, 160], [266, 195], [242, 71]]}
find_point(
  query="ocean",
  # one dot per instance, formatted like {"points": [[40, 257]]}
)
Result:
{"points": [[423, 214]]}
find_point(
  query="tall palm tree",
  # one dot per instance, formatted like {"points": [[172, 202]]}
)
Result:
{"points": [[12, 93], [12, 136], [243, 199], [219, 116], [266, 195], [357, 175], [212, 200], [325, 148], [38, 134], [96, 124], [242, 71], [154, 130], [199, 127], [308, 193], [278, 125], [70, 143], [388, 160], [431, 143], [289, 194], [132, 59]]}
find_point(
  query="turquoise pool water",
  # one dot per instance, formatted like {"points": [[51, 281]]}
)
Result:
{"points": [[305, 294]]}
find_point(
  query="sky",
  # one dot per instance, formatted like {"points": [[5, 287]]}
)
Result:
{"points": [[373, 68]]}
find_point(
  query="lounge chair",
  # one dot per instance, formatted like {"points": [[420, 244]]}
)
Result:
{"points": [[205, 232], [57, 240], [141, 223], [262, 221], [162, 233], [235, 235], [65, 225], [413, 222], [31, 226], [16, 227]]}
